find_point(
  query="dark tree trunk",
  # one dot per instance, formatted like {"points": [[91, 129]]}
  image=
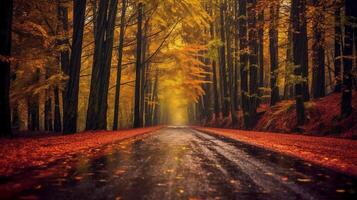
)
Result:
{"points": [[253, 63], [215, 84], [137, 114], [97, 105], [222, 62], [304, 50], [34, 107], [243, 45], [231, 70], [298, 37], [57, 125], [261, 48], [120, 56], [48, 112], [351, 15], [338, 49], [70, 103], [48, 106], [15, 122], [144, 73], [5, 50], [318, 57], [33, 123], [273, 47]]}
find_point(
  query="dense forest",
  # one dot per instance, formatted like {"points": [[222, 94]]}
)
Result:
{"points": [[69, 66]]}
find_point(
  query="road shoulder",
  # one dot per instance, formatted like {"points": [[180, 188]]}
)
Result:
{"points": [[23, 153], [333, 153]]}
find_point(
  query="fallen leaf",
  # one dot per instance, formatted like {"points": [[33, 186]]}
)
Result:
{"points": [[340, 190], [305, 180]]}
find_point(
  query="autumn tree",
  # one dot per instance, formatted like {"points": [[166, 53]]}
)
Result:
{"points": [[5, 52], [70, 102], [351, 15]]}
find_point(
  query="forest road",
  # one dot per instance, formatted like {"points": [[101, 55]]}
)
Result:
{"points": [[182, 163]]}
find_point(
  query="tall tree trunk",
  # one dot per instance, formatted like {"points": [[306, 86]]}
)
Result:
{"points": [[57, 125], [34, 107], [62, 43], [137, 118], [253, 63], [70, 103], [231, 69], [97, 105], [5, 50], [48, 105], [304, 50], [144, 72], [215, 89], [288, 87], [273, 47], [298, 37], [261, 48], [318, 57], [351, 15], [338, 47], [120, 57], [222, 62], [243, 45]]}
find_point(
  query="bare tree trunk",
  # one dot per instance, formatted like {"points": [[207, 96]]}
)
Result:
{"points": [[346, 101], [222, 62], [70, 103], [137, 118], [243, 45], [120, 57], [97, 105], [338, 48], [298, 38], [318, 58], [273, 47], [253, 63], [5, 50]]}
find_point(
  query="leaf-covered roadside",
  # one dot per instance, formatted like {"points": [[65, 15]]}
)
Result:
{"points": [[334, 153], [21, 153]]}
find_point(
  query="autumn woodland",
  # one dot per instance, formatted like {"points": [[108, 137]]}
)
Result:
{"points": [[70, 66]]}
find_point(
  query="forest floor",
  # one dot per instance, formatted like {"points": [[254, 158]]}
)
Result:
{"points": [[322, 118], [37, 151], [333, 153]]}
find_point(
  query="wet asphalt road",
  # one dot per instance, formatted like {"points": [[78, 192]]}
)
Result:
{"points": [[182, 163]]}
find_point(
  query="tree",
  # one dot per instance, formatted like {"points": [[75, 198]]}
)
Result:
{"points": [[98, 96], [120, 56], [253, 63], [70, 102], [299, 57], [338, 47], [273, 48], [138, 84], [5, 52], [222, 61], [318, 57], [351, 15], [243, 58]]}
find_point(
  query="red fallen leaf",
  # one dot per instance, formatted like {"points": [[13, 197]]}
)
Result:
{"points": [[78, 178], [29, 197]]}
